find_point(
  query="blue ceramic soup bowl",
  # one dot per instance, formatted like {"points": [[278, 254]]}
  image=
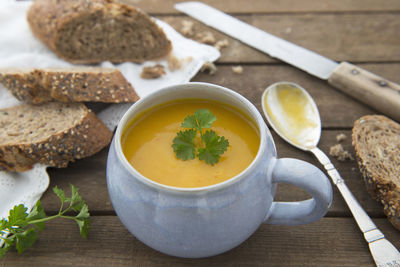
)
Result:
{"points": [[205, 221]]}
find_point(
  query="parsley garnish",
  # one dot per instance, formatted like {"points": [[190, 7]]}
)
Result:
{"points": [[20, 230], [212, 147]]}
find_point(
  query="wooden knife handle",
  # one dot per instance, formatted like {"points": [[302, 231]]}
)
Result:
{"points": [[375, 91]]}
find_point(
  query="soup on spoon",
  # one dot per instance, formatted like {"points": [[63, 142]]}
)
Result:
{"points": [[292, 115]]}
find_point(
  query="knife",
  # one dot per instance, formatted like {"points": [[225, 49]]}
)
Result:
{"points": [[375, 91]]}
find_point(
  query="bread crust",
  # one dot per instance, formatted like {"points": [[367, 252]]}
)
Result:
{"points": [[48, 19], [85, 138], [68, 85], [376, 140]]}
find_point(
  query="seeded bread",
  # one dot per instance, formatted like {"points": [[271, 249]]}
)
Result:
{"points": [[53, 133], [92, 31], [376, 140], [82, 84]]}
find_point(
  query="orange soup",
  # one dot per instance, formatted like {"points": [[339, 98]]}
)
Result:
{"points": [[147, 144]]}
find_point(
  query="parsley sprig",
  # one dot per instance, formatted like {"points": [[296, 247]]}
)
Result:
{"points": [[212, 145], [20, 229]]}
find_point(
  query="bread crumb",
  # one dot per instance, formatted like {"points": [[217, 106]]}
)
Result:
{"points": [[221, 44], [209, 67], [174, 63], [188, 60], [206, 38], [187, 28], [152, 72], [341, 137], [237, 69], [339, 153]]}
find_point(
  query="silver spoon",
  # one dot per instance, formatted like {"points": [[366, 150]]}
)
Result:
{"points": [[294, 116]]}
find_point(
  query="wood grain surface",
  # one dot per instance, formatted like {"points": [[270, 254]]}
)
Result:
{"points": [[363, 32], [355, 38], [328, 242]]}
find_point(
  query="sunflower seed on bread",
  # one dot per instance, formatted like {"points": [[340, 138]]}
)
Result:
{"points": [[52, 133], [92, 31], [376, 140], [78, 84]]}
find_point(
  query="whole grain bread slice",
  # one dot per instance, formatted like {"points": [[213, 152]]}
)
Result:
{"points": [[52, 133], [78, 84], [376, 140], [92, 31]]}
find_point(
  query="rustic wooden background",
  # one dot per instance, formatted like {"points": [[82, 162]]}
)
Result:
{"points": [[364, 32]]}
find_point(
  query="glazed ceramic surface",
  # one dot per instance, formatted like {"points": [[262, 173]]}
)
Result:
{"points": [[205, 221]]}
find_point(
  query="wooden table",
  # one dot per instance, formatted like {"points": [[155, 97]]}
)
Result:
{"points": [[364, 32]]}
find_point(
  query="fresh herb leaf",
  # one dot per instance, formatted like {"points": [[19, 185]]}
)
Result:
{"points": [[17, 217], [25, 239], [75, 197], [84, 213], [36, 214], [204, 118], [76, 200], [84, 225], [190, 122], [19, 229], [183, 144], [213, 145], [60, 193]]}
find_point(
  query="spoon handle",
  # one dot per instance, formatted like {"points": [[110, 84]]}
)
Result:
{"points": [[383, 252], [363, 220]]}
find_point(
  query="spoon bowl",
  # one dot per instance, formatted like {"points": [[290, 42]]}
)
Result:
{"points": [[293, 114]]}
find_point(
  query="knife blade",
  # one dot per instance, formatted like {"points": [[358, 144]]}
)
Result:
{"points": [[377, 92]]}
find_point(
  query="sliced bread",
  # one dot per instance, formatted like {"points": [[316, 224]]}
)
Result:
{"points": [[376, 140], [92, 31], [53, 133], [83, 84]]}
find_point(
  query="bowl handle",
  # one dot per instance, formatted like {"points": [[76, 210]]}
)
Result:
{"points": [[307, 177]]}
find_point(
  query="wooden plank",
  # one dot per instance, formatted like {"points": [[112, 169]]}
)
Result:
{"points": [[271, 6], [328, 242], [341, 37]]}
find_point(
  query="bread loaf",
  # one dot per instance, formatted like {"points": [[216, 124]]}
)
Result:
{"points": [[53, 133], [82, 84], [92, 31], [376, 140]]}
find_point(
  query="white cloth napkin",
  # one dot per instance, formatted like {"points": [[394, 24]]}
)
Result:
{"points": [[19, 48]]}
